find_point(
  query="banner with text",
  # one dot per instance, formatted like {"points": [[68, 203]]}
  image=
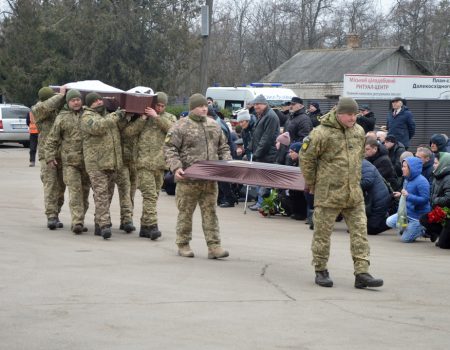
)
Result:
{"points": [[386, 87]]}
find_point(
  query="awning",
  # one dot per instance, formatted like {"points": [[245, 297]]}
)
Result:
{"points": [[248, 173]]}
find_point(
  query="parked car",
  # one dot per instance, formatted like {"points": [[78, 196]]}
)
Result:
{"points": [[13, 126]]}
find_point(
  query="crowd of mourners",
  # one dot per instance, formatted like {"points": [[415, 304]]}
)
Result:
{"points": [[390, 170]]}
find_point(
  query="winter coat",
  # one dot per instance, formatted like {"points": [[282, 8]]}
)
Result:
{"points": [[298, 125], [402, 126], [367, 121], [65, 139], [247, 135], [281, 117], [282, 155], [384, 166], [101, 141], [394, 155], [330, 160], [418, 188], [440, 192], [193, 139], [427, 169], [315, 117], [267, 129], [376, 193]]}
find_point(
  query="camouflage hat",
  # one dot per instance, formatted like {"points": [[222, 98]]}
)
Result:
{"points": [[197, 100], [162, 97], [71, 94], [45, 93], [91, 98], [347, 105]]}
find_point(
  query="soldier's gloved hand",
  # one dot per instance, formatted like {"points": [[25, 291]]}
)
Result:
{"points": [[121, 113]]}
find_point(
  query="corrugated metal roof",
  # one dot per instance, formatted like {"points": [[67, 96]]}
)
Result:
{"points": [[330, 65]]}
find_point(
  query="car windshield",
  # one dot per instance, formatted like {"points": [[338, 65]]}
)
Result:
{"points": [[14, 113]]}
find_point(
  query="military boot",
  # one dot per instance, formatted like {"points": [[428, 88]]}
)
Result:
{"points": [[97, 230], [144, 232], [105, 231], [128, 227], [364, 280], [77, 229], [155, 233], [185, 251], [323, 279], [217, 253], [59, 223], [52, 223], [85, 229]]}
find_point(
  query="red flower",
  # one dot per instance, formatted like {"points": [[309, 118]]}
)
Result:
{"points": [[437, 215]]}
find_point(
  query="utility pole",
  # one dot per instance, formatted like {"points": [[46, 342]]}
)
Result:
{"points": [[206, 28]]}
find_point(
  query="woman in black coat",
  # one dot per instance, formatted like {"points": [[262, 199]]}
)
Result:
{"points": [[440, 196]]}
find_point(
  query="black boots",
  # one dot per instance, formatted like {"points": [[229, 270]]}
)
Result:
{"points": [[97, 230], [323, 279], [128, 227], [151, 232], [364, 280], [105, 232]]}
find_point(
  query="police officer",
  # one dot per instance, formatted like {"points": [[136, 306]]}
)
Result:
{"points": [[66, 134], [45, 112], [192, 139], [336, 146]]}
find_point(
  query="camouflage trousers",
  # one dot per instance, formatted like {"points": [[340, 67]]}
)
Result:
{"points": [[187, 196], [126, 186], [78, 184], [54, 188], [150, 183], [102, 183], [355, 218]]}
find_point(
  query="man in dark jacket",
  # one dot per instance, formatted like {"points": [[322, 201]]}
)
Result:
{"points": [[378, 155], [400, 122], [395, 150], [314, 113], [376, 198], [247, 121], [299, 124], [262, 145], [366, 118]]}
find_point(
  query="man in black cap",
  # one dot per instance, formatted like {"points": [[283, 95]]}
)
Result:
{"points": [[366, 118], [314, 113], [395, 150], [299, 124], [400, 122]]}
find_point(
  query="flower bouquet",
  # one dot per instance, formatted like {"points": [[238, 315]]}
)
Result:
{"points": [[438, 215], [271, 204]]}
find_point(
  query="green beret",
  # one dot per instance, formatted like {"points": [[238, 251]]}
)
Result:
{"points": [[72, 93], [162, 97], [45, 93], [91, 98], [197, 100], [347, 105]]}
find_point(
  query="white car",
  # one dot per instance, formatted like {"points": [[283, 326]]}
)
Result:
{"points": [[13, 125]]}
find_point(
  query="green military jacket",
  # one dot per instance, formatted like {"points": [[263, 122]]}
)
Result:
{"points": [[66, 134], [45, 113], [152, 133], [193, 139], [331, 159], [101, 141]]}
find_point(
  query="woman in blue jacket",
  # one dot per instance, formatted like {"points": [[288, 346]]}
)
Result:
{"points": [[416, 189]]}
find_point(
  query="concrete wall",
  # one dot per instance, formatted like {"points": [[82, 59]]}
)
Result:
{"points": [[316, 90]]}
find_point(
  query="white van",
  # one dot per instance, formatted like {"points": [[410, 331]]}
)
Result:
{"points": [[234, 98]]}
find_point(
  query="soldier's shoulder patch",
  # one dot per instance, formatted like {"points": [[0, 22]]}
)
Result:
{"points": [[306, 142], [90, 122], [168, 137]]}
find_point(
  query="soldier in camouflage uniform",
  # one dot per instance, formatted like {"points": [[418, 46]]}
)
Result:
{"points": [[193, 139], [65, 135], [45, 112], [331, 159], [151, 129], [102, 157]]}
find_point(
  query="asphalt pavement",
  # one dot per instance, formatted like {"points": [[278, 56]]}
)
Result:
{"points": [[61, 291]]}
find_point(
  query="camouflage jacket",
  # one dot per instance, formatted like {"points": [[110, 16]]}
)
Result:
{"points": [[66, 135], [331, 159], [45, 113], [151, 134], [192, 139], [101, 141]]}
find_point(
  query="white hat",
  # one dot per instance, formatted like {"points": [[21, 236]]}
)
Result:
{"points": [[242, 115]]}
